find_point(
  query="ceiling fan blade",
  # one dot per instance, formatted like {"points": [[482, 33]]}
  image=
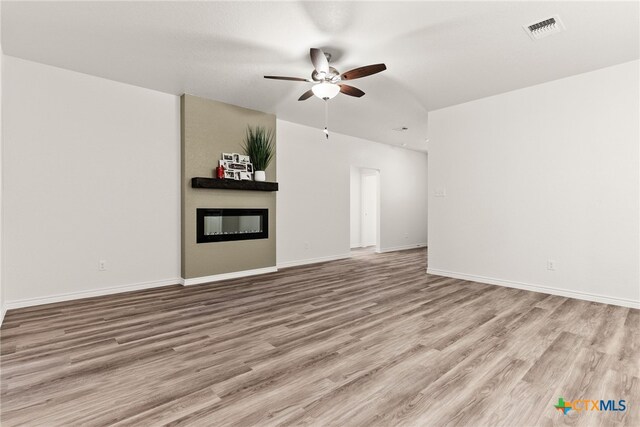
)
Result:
{"points": [[295, 79], [351, 91], [318, 60], [308, 94], [365, 71]]}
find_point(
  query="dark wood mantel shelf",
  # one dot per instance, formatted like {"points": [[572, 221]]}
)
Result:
{"points": [[230, 184]]}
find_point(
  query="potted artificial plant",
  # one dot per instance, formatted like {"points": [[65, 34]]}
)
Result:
{"points": [[259, 146]]}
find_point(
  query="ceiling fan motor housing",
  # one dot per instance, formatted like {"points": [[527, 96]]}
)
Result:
{"points": [[333, 75]]}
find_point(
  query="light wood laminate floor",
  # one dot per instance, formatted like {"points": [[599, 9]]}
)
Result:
{"points": [[369, 341]]}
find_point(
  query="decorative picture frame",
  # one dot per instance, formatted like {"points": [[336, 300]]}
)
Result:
{"points": [[236, 166]]}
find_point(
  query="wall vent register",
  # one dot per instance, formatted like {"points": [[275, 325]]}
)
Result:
{"points": [[221, 225]]}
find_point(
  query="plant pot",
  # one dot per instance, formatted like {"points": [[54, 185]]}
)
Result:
{"points": [[259, 176]]}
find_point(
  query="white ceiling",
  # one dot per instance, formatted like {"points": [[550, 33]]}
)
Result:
{"points": [[437, 53]]}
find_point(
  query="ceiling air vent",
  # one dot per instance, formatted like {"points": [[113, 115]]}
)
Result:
{"points": [[544, 28]]}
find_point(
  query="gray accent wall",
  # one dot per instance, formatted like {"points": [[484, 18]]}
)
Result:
{"points": [[209, 128]]}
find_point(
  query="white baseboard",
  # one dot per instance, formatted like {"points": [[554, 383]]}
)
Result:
{"points": [[360, 246], [88, 294], [3, 310], [226, 276], [402, 248], [296, 263], [538, 288]]}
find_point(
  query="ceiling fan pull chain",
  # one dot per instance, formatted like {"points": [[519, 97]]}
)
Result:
{"points": [[326, 118]]}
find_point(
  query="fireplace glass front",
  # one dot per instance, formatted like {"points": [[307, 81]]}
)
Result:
{"points": [[220, 225]]}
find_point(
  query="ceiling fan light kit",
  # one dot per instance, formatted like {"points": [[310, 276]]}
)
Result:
{"points": [[328, 80], [325, 90]]}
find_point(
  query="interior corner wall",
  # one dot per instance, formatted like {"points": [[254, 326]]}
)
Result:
{"points": [[314, 203], [545, 173], [2, 305], [210, 128], [91, 172]]}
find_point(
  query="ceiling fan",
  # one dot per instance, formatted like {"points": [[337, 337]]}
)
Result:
{"points": [[328, 81]]}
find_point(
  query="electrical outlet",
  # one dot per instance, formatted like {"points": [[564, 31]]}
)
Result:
{"points": [[306, 245], [441, 192], [102, 265], [406, 235], [551, 265]]}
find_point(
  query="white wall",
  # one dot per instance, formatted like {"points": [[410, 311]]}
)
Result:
{"points": [[91, 172], [549, 172], [314, 203]]}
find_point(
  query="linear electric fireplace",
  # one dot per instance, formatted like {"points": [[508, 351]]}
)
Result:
{"points": [[221, 225]]}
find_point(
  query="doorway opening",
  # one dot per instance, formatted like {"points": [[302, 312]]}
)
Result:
{"points": [[365, 209]]}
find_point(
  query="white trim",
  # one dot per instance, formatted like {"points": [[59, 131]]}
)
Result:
{"points": [[538, 288], [88, 294], [226, 276], [313, 260], [3, 310], [401, 248]]}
